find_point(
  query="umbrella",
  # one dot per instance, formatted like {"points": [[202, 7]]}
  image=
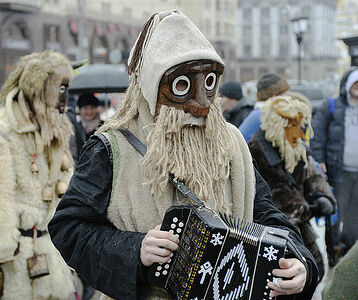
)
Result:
{"points": [[100, 78]]}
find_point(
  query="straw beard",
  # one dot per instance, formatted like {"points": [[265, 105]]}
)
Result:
{"points": [[54, 127], [290, 155], [198, 155]]}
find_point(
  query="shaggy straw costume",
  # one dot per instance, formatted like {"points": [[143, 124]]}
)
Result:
{"points": [[32, 132], [201, 156], [292, 176]]}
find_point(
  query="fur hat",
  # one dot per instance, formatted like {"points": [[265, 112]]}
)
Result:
{"points": [[270, 85], [167, 39], [231, 89], [87, 99]]}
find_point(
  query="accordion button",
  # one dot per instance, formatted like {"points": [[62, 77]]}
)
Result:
{"points": [[175, 219], [171, 254], [173, 226], [157, 274], [178, 230], [169, 261], [159, 268], [165, 272], [166, 266], [181, 224]]}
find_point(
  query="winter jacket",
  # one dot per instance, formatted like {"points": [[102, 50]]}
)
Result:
{"points": [[107, 257], [239, 112], [327, 145]]}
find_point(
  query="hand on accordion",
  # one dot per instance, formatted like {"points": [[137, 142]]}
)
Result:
{"points": [[157, 246], [290, 268]]}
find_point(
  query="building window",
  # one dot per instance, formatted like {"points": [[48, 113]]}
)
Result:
{"points": [[218, 28], [52, 37], [283, 50], [283, 29], [265, 50], [247, 50], [247, 13], [262, 71], [106, 8], [247, 31], [246, 74], [265, 12], [127, 11], [265, 31]]}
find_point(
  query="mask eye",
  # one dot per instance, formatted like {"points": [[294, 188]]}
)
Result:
{"points": [[210, 81], [62, 89], [181, 85]]}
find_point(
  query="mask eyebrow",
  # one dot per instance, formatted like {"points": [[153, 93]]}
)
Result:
{"points": [[202, 68]]}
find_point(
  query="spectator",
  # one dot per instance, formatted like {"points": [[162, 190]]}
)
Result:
{"points": [[335, 147], [268, 85], [90, 119], [297, 188], [234, 106]]}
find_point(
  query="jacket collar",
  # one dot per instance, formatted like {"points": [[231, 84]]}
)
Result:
{"points": [[271, 154]]}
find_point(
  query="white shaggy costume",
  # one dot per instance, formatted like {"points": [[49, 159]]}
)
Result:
{"points": [[21, 199]]}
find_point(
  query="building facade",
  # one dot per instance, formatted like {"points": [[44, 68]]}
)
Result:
{"points": [[267, 43], [104, 31], [33, 26]]}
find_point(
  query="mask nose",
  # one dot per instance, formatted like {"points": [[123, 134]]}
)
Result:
{"points": [[200, 96]]}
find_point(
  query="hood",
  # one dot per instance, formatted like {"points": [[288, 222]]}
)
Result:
{"points": [[343, 83]]}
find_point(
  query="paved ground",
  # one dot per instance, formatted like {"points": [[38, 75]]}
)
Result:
{"points": [[327, 277]]}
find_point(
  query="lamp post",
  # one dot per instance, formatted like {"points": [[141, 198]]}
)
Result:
{"points": [[299, 28]]}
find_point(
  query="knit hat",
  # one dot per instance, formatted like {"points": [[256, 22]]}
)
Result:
{"points": [[167, 39], [270, 85], [87, 99], [231, 89]]}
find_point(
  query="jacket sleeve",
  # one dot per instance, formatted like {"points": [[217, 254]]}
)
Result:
{"points": [[320, 124], [267, 214], [106, 257], [9, 233], [316, 184], [250, 125]]}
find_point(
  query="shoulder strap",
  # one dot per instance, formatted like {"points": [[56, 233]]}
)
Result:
{"points": [[142, 149], [332, 105]]}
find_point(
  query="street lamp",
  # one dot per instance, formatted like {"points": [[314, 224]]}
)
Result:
{"points": [[299, 28]]}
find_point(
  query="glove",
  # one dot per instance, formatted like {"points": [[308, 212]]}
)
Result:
{"points": [[322, 207]]}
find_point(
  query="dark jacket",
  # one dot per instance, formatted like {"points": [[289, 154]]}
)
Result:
{"points": [[239, 112], [327, 144], [108, 258], [78, 139]]}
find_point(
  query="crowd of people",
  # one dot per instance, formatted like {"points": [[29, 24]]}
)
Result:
{"points": [[79, 200]]}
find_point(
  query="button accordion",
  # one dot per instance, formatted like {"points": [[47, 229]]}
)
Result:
{"points": [[218, 257]]}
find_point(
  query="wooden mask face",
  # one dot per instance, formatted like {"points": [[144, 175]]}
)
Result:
{"points": [[293, 131], [190, 86]]}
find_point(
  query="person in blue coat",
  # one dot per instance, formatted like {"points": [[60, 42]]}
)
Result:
{"points": [[268, 85]]}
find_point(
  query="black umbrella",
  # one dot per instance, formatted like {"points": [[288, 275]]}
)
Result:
{"points": [[100, 78]]}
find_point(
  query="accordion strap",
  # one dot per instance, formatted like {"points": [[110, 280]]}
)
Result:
{"points": [[142, 149]]}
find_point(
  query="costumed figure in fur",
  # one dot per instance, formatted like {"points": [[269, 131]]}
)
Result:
{"points": [[35, 168], [107, 226], [297, 188]]}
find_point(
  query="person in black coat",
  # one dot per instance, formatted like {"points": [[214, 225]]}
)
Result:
{"points": [[334, 146], [235, 107]]}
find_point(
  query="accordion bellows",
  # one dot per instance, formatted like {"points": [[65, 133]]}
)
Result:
{"points": [[219, 257]]}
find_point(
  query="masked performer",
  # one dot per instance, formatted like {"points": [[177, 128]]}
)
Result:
{"points": [[35, 168], [297, 188], [105, 226]]}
